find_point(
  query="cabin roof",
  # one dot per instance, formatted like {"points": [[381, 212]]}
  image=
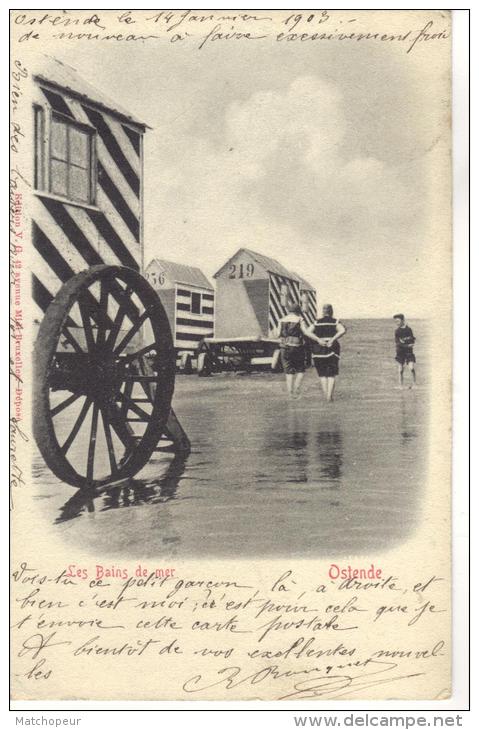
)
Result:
{"points": [[58, 74], [304, 285], [271, 265], [183, 274]]}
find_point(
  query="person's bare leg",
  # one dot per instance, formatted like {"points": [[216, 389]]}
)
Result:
{"points": [[289, 383], [330, 388], [298, 380], [324, 384], [412, 368], [400, 372]]}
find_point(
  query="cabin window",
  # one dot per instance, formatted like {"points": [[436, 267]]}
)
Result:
{"points": [[70, 160], [195, 303], [64, 157], [39, 124]]}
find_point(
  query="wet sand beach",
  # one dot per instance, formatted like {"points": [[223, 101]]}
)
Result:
{"points": [[268, 477]]}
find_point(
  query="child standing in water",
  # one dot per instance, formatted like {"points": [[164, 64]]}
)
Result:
{"points": [[292, 330], [325, 333], [405, 340]]}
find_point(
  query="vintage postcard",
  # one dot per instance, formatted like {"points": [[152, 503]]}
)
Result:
{"points": [[230, 321]]}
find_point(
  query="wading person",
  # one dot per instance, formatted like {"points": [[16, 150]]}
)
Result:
{"points": [[405, 340], [325, 333], [292, 331]]}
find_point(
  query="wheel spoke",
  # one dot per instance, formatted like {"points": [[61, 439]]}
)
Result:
{"points": [[120, 315], [77, 426], [132, 406], [122, 296], [122, 430], [71, 339], [94, 309], [64, 404], [110, 343], [143, 351], [134, 329], [128, 391], [92, 444], [85, 316], [109, 443]]}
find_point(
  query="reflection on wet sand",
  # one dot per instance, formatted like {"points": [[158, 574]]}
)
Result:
{"points": [[130, 493], [408, 419], [304, 454], [330, 452]]}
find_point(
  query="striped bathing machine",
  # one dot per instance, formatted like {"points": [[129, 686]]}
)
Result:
{"points": [[104, 357], [253, 292], [189, 301], [88, 181]]}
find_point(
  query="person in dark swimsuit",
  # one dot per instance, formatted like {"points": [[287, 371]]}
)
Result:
{"points": [[292, 331], [326, 349], [404, 339]]}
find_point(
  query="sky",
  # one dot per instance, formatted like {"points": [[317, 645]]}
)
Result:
{"points": [[318, 156]]}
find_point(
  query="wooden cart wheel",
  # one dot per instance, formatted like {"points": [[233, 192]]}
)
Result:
{"points": [[104, 377]]}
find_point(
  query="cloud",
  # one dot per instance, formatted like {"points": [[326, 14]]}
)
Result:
{"points": [[294, 142], [277, 179]]}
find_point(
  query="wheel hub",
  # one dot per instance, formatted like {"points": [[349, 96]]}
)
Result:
{"points": [[98, 377], [106, 378]]}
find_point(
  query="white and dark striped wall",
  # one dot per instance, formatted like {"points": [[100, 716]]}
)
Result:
{"points": [[309, 305], [74, 229], [281, 291], [194, 315]]}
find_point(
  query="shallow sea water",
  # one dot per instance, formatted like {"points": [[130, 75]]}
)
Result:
{"points": [[268, 477]]}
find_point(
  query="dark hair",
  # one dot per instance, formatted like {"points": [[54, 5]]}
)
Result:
{"points": [[399, 316], [294, 308], [328, 309]]}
